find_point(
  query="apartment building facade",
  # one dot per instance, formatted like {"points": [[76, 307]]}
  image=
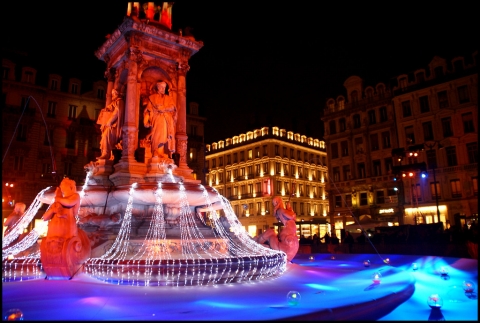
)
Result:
{"points": [[407, 152], [251, 168], [49, 130]]}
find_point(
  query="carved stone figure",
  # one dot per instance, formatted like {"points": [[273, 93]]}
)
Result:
{"points": [[13, 218], [65, 247], [110, 126], [287, 240], [160, 115]]}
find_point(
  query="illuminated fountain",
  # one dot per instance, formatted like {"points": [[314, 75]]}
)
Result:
{"points": [[149, 221]]}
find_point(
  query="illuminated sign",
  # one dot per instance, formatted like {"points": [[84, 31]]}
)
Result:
{"points": [[382, 211]]}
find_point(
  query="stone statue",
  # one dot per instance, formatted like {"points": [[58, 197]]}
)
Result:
{"points": [[287, 240], [110, 126], [160, 115], [14, 217], [65, 247]]}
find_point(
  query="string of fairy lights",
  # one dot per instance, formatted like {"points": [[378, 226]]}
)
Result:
{"points": [[226, 255]]}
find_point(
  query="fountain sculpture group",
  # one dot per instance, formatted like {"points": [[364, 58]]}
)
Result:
{"points": [[143, 220]]}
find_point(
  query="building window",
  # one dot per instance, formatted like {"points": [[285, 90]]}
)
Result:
{"points": [[25, 102], [72, 112], [214, 162], [277, 150], [67, 169], [18, 163], [456, 188], [334, 150], [451, 156], [338, 201], [74, 88], [53, 85], [70, 143], [363, 199], [229, 159], [48, 138], [193, 130], [220, 161], [265, 167], [371, 117], [6, 71], [359, 145], [250, 154], [442, 99], [28, 77], [383, 114], [407, 111], [100, 93], [265, 150], [242, 156], [344, 147], [417, 192], [348, 200], [424, 106], [432, 190], [52, 109], [377, 168], [354, 97], [235, 158], [388, 162], [333, 127], [257, 152], [346, 172], [467, 119], [380, 197], [410, 135], [374, 145], [463, 96], [336, 174], [432, 158], [386, 139], [220, 177], [472, 151], [356, 121], [22, 132], [285, 152], [361, 170], [475, 185], [427, 131], [438, 71], [342, 125], [447, 127]]}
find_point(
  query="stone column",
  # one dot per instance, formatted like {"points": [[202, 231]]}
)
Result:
{"points": [[181, 134], [130, 129], [128, 170]]}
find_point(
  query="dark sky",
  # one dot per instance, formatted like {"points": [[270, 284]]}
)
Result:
{"points": [[274, 63]]}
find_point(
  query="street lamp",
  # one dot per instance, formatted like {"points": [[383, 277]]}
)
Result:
{"points": [[434, 166]]}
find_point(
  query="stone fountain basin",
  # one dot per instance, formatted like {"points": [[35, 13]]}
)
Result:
{"points": [[143, 194]]}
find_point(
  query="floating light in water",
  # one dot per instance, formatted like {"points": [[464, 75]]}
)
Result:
{"points": [[376, 277], [435, 301], [414, 266], [387, 260], [332, 257], [444, 273], [366, 263], [311, 258], [468, 287], [13, 314], [293, 298]]}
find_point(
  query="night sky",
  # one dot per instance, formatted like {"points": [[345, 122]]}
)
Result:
{"points": [[261, 64]]}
